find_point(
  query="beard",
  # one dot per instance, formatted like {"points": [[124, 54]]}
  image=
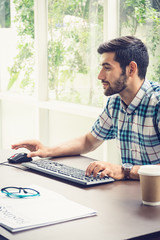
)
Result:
{"points": [[119, 85]]}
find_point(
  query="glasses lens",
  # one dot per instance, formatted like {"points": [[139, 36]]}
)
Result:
{"points": [[30, 191], [13, 190]]}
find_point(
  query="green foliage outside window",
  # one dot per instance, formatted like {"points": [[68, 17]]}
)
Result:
{"points": [[24, 61], [71, 27]]}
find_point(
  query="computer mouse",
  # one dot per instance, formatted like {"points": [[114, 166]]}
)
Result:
{"points": [[19, 158]]}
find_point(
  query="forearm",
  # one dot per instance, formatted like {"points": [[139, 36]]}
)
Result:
{"points": [[76, 146], [73, 147]]}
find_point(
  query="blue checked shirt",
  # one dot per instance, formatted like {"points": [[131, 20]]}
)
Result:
{"points": [[136, 128]]}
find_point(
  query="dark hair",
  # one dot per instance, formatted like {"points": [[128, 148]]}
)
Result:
{"points": [[127, 49]]}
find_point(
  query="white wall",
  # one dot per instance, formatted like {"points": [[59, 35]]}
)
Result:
{"points": [[18, 122], [66, 126]]}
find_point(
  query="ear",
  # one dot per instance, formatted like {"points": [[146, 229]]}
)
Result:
{"points": [[132, 69]]}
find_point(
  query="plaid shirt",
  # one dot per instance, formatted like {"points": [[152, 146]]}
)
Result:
{"points": [[136, 128]]}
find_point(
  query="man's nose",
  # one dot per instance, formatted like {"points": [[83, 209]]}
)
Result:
{"points": [[101, 75]]}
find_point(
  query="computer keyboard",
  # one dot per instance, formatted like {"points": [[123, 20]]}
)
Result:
{"points": [[63, 171]]}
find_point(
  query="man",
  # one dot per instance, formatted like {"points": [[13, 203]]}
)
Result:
{"points": [[131, 115]]}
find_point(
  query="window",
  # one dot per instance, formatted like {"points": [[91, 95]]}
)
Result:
{"points": [[75, 30]]}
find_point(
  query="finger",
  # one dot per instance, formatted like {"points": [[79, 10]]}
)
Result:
{"points": [[21, 144], [25, 143], [17, 146], [31, 147], [34, 154], [29, 155], [14, 146], [105, 172], [90, 168], [96, 170]]}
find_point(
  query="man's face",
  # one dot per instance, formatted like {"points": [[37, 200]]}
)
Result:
{"points": [[113, 79]]}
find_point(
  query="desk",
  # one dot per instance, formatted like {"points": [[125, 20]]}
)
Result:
{"points": [[120, 212]]}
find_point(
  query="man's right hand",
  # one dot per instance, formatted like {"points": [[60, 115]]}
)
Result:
{"points": [[34, 146]]}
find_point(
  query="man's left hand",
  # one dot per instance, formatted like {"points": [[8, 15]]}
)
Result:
{"points": [[112, 170]]}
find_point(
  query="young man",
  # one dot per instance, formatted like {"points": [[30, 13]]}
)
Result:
{"points": [[131, 115]]}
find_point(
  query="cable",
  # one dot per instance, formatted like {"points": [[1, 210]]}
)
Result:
{"points": [[8, 165], [3, 163]]}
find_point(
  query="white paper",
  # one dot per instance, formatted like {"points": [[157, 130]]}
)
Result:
{"points": [[18, 214]]}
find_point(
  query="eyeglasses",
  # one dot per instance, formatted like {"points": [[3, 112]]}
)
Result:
{"points": [[19, 192]]}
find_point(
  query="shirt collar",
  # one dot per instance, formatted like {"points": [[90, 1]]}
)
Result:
{"points": [[137, 99]]}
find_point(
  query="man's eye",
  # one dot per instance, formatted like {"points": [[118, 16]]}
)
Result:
{"points": [[106, 68]]}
